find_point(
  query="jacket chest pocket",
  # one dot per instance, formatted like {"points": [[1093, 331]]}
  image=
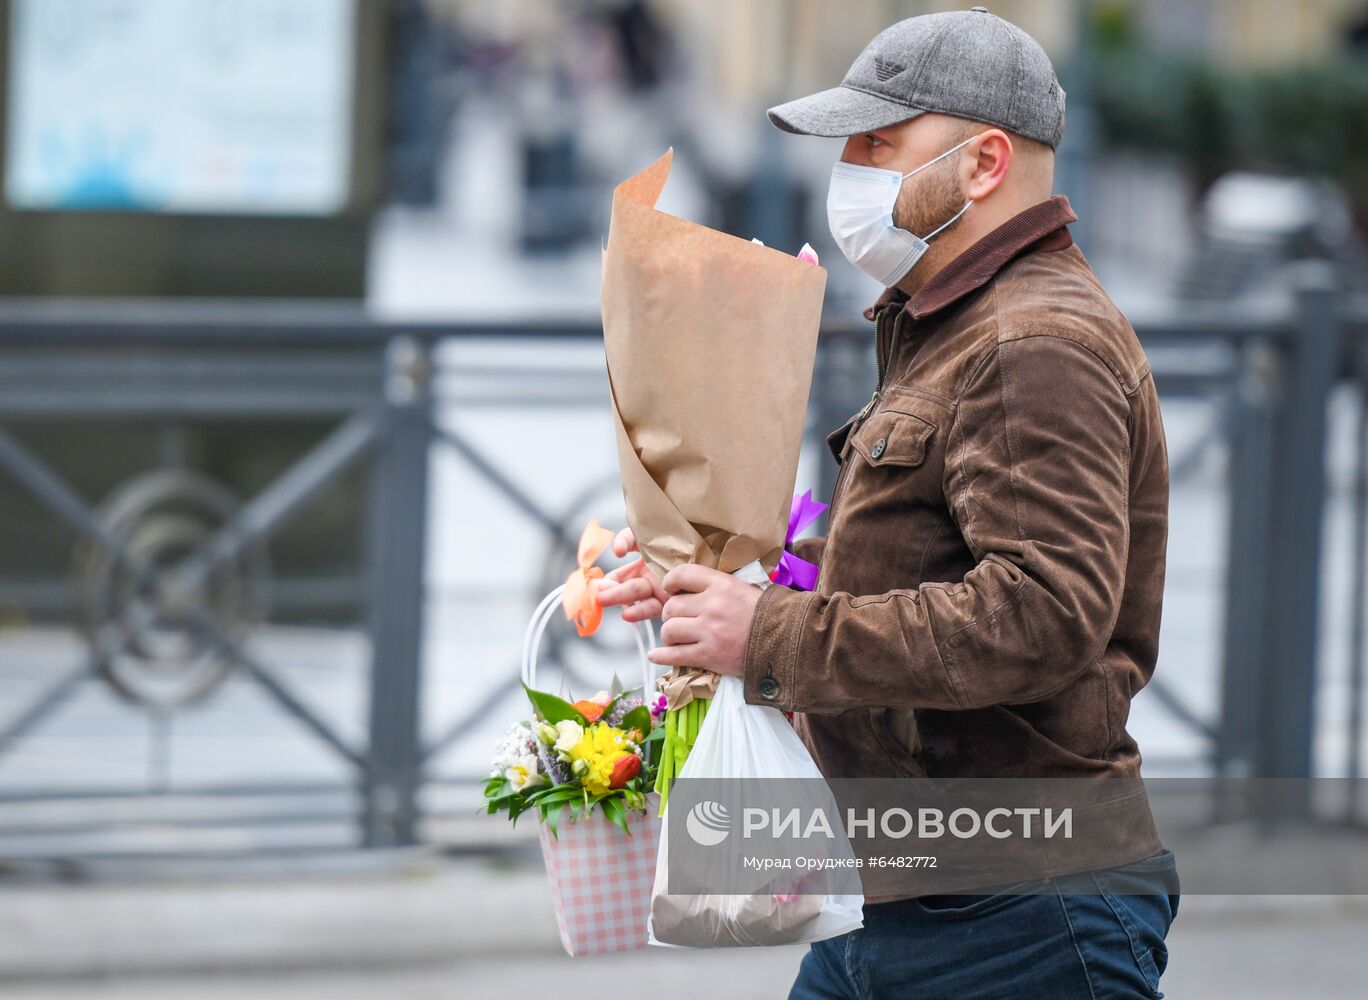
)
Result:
{"points": [[902, 444]]}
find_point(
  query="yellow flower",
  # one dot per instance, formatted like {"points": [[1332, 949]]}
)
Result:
{"points": [[600, 748]]}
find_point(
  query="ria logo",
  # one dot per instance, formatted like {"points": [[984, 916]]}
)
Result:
{"points": [[708, 823]]}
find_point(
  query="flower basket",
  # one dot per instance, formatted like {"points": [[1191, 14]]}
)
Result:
{"points": [[585, 769], [601, 880], [600, 869]]}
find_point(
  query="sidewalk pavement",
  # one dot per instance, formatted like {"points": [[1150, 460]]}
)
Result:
{"points": [[423, 926]]}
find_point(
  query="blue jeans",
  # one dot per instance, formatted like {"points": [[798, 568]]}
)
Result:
{"points": [[1097, 935]]}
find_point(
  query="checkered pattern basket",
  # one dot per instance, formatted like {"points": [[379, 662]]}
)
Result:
{"points": [[601, 879]]}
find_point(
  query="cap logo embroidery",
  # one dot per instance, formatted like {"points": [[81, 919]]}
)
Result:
{"points": [[885, 69]]}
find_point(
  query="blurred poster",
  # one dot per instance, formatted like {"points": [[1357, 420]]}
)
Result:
{"points": [[203, 106]]}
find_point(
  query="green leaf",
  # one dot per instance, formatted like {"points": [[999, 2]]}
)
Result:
{"points": [[555, 793], [552, 709], [637, 718], [498, 789], [612, 808]]}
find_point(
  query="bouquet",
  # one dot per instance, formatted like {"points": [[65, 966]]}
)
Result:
{"points": [[600, 752], [709, 341], [573, 756]]}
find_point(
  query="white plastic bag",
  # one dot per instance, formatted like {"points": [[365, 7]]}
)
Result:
{"points": [[740, 740]]}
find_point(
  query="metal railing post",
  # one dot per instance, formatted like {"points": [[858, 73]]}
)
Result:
{"points": [[1251, 429], [398, 518], [1285, 730], [1358, 534]]}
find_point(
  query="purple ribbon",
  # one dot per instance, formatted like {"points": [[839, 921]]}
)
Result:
{"points": [[792, 571]]}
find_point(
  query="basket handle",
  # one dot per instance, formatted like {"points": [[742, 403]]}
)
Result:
{"points": [[542, 617]]}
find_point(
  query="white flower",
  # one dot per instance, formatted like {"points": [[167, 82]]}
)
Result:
{"points": [[513, 745], [523, 773], [569, 732]]}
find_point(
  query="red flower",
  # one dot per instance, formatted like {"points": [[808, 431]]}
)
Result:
{"points": [[624, 770]]}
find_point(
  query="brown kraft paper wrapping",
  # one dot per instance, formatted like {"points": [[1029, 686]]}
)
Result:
{"points": [[710, 341]]}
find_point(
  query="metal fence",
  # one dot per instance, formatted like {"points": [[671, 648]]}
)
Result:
{"points": [[170, 567]]}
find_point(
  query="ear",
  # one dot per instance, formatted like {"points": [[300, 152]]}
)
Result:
{"points": [[989, 156]]}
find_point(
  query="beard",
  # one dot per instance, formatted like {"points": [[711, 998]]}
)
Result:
{"points": [[920, 208]]}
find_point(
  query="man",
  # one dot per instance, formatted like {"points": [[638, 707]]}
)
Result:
{"points": [[990, 586]]}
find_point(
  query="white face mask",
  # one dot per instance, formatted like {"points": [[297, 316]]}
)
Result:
{"points": [[860, 212]]}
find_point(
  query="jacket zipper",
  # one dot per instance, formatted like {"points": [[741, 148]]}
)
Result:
{"points": [[881, 364]]}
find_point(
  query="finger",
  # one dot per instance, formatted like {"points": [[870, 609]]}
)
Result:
{"points": [[656, 588], [680, 632], [627, 592], [623, 542], [637, 567], [675, 656], [682, 606], [689, 577], [644, 571], [641, 610]]}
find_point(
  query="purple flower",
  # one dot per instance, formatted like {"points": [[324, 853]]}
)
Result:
{"points": [[620, 710], [556, 769], [658, 709]]}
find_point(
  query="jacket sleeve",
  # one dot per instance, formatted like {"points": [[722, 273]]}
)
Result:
{"points": [[1037, 480]]}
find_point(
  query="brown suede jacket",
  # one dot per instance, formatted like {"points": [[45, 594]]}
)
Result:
{"points": [[990, 586]]}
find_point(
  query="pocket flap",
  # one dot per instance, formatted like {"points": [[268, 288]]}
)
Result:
{"points": [[894, 438], [837, 439]]}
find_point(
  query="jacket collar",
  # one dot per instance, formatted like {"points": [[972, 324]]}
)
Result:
{"points": [[1040, 227]]}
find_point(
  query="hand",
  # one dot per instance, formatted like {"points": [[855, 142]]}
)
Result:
{"points": [[633, 584], [707, 620]]}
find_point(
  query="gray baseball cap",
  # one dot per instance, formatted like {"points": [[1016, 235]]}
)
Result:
{"points": [[966, 63]]}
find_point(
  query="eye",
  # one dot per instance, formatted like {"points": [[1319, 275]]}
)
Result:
{"points": [[874, 140]]}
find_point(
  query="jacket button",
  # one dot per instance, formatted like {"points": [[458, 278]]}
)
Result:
{"points": [[878, 448], [769, 689]]}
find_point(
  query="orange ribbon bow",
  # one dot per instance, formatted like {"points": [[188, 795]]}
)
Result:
{"points": [[580, 597]]}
